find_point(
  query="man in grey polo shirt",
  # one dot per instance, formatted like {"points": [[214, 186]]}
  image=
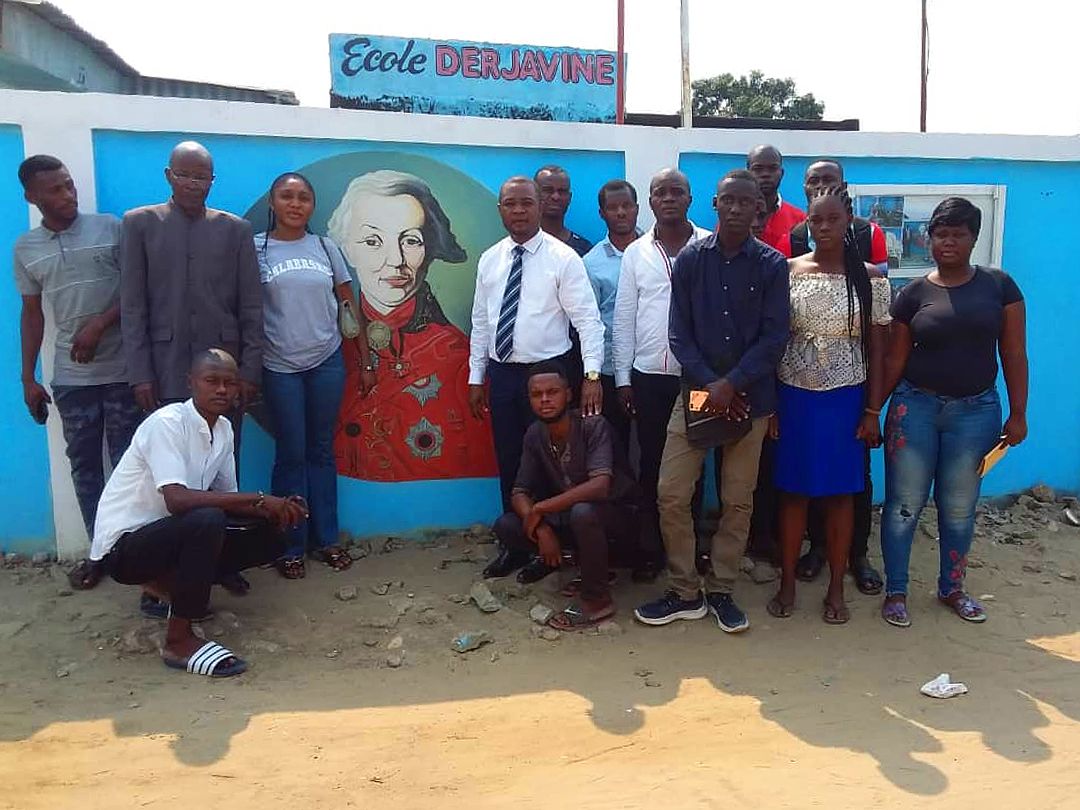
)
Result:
{"points": [[68, 266]]}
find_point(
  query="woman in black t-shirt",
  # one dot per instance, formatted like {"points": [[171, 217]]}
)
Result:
{"points": [[945, 415]]}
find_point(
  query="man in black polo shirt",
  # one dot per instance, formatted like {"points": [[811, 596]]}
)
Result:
{"points": [[574, 486], [555, 195], [554, 184]]}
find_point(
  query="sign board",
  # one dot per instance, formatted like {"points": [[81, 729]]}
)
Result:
{"points": [[903, 212], [450, 77]]}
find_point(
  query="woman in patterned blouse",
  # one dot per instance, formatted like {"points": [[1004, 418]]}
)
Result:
{"points": [[839, 320]]}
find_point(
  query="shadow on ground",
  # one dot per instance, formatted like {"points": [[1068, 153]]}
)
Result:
{"points": [[853, 688]]}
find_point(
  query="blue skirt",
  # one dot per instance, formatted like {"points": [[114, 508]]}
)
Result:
{"points": [[817, 453]]}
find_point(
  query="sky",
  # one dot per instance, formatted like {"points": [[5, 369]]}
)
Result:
{"points": [[996, 66]]}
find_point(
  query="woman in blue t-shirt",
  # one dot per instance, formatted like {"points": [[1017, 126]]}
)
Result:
{"points": [[945, 415], [304, 278]]}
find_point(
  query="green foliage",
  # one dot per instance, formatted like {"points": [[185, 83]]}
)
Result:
{"points": [[753, 96]]}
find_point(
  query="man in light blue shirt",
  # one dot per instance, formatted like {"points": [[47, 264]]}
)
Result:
{"points": [[619, 210]]}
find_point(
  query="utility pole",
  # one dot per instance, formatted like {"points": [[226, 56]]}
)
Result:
{"points": [[684, 25], [620, 65], [923, 70]]}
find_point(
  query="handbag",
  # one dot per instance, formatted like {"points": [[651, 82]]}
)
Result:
{"points": [[708, 430], [347, 322]]}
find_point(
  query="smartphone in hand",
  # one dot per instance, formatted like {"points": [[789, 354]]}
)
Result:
{"points": [[41, 412], [698, 400]]}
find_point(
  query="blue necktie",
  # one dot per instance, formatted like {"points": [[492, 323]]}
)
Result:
{"points": [[504, 332]]}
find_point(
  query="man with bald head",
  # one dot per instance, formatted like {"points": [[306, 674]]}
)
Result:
{"points": [[189, 281], [767, 165], [646, 371], [530, 287], [171, 519]]}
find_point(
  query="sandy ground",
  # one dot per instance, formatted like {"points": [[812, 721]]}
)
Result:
{"points": [[792, 714]]}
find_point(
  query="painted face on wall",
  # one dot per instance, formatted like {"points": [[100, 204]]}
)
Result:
{"points": [[385, 243]]}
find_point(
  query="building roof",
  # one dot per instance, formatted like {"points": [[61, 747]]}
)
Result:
{"points": [[16, 73], [58, 19]]}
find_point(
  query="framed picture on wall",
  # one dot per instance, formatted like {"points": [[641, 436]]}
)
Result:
{"points": [[903, 212]]}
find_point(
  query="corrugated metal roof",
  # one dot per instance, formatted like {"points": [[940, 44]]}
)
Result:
{"points": [[18, 74], [141, 85], [58, 19]]}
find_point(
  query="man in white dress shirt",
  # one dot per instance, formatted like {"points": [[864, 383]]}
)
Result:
{"points": [[161, 522], [646, 372], [530, 287]]}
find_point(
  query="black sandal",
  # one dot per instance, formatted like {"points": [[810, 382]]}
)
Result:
{"points": [[85, 575], [809, 566], [867, 579]]}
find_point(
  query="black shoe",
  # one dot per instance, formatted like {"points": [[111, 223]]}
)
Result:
{"points": [[534, 572], [505, 564], [235, 583], [727, 614]]}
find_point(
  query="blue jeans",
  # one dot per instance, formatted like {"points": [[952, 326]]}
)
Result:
{"points": [[89, 413], [304, 408], [931, 438]]}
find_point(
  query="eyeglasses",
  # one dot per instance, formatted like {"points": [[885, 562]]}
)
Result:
{"points": [[201, 179]]}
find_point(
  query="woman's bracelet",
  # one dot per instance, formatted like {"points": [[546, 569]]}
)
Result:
{"points": [[873, 412]]}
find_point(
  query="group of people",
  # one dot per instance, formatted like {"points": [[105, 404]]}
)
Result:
{"points": [[772, 339]]}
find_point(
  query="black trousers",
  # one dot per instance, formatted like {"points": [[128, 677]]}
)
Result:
{"points": [[764, 541], [195, 550], [591, 528], [614, 413], [511, 415]]}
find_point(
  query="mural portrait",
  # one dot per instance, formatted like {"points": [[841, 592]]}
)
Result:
{"points": [[412, 230]]}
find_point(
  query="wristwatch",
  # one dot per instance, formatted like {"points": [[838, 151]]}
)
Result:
{"points": [[592, 376]]}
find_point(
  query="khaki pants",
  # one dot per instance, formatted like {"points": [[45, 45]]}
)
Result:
{"points": [[679, 471]]}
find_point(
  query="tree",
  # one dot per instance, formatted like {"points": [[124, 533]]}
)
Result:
{"points": [[753, 96]]}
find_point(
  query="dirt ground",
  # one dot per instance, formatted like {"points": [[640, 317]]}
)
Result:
{"points": [[792, 714]]}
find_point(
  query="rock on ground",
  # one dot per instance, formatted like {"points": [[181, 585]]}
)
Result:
{"points": [[540, 613], [484, 598], [1042, 493]]}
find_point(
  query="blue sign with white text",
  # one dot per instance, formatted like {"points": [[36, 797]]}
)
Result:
{"points": [[449, 77]]}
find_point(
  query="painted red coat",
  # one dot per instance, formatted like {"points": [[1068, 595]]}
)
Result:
{"points": [[415, 424]]}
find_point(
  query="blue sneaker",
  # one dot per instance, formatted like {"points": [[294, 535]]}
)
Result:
{"points": [[669, 608], [728, 615]]}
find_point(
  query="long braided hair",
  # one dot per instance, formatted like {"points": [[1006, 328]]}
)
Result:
{"points": [[271, 217], [856, 277]]}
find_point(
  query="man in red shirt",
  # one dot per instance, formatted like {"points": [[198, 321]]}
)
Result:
{"points": [[767, 165]]}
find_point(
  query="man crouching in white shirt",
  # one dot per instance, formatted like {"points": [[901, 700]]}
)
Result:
{"points": [[167, 519]]}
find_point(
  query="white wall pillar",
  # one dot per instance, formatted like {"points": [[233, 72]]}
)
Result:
{"points": [[48, 132]]}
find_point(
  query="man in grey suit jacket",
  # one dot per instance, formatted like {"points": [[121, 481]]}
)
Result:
{"points": [[189, 282]]}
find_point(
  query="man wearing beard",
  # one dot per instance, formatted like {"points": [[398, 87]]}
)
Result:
{"points": [[574, 487]]}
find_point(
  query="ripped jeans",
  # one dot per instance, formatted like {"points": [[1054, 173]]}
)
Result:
{"points": [[939, 439]]}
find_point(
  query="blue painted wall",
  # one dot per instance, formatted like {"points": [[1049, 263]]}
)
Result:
{"points": [[24, 464], [1042, 209], [129, 172]]}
